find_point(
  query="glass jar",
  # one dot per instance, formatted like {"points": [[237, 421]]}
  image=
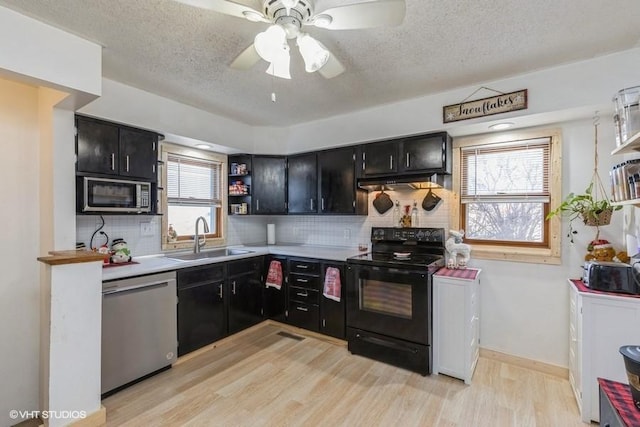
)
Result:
{"points": [[627, 105]]}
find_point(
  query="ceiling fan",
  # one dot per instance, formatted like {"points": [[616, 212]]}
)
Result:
{"points": [[287, 19]]}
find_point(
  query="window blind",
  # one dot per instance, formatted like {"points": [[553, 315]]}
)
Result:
{"points": [[515, 171], [193, 181]]}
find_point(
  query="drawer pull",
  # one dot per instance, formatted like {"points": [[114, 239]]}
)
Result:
{"points": [[302, 308], [302, 266], [300, 294], [302, 280]]}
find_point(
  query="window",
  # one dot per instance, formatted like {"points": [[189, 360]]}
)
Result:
{"points": [[193, 189], [506, 192]]}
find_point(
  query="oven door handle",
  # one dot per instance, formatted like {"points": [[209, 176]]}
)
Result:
{"points": [[389, 344]]}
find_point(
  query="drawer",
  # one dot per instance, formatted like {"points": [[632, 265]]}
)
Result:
{"points": [[202, 274], [305, 316], [309, 282], [304, 267], [308, 296], [244, 266]]}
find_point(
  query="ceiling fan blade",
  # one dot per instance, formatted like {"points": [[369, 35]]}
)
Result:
{"points": [[228, 7], [332, 68], [247, 59], [383, 13]]}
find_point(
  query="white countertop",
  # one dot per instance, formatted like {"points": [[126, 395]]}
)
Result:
{"points": [[158, 263]]}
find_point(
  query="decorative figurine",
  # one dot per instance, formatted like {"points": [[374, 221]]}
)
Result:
{"points": [[120, 252], [457, 249]]}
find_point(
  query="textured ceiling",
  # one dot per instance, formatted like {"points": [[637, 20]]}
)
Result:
{"points": [[183, 53]]}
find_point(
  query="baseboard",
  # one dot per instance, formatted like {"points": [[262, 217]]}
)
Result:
{"points": [[522, 362]]}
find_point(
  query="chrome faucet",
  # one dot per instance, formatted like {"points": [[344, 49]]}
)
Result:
{"points": [[197, 245]]}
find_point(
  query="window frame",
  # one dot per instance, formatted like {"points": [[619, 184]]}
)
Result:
{"points": [[184, 241], [548, 253]]}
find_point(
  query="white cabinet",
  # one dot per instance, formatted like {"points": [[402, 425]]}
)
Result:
{"points": [[456, 322], [599, 324]]}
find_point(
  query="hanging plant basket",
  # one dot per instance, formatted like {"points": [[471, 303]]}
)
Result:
{"points": [[596, 219]]}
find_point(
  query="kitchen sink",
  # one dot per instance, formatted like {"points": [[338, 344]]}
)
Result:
{"points": [[215, 253]]}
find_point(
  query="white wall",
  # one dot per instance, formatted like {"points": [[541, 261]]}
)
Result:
{"points": [[39, 54], [128, 105], [19, 216], [582, 86]]}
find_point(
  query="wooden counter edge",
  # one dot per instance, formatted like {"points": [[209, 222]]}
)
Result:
{"points": [[71, 257]]}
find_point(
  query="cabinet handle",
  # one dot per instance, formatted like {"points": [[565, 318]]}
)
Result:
{"points": [[300, 294], [233, 287], [324, 323], [113, 161], [391, 162], [220, 290], [257, 205], [407, 159], [302, 266], [302, 308], [127, 163], [364, 161], [322, 204], [302, 280], [311, 204]]}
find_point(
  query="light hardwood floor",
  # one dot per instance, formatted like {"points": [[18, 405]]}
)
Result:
{"points": [[264, 378]]}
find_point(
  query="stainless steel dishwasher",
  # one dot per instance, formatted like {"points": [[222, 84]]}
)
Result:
{"points": [[139, 328]]}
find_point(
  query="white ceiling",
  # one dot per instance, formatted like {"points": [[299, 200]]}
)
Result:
{"points": [[183, 53]]}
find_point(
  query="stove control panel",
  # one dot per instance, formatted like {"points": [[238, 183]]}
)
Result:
{"points": [[435, 235]]}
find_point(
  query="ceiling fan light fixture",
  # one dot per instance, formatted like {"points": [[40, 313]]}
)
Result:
{"points": [[289, 4], [279, 67], [270, 43], [322, 21], [314, 54]]}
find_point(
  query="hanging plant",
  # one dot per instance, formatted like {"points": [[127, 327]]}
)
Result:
{"points": [[593, 206]]}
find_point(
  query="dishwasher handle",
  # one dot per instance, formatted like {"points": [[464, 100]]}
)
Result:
{"points": [[144, 286]]}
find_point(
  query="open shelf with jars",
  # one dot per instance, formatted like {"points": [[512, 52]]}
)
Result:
{"points": [[630, 146], [239, 179]]}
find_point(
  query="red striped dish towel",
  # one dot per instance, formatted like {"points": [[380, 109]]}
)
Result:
{"points": [[332, 285], [274, 276]]}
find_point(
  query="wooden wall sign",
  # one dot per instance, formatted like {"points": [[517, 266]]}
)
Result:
{"points": [[485, 107]]}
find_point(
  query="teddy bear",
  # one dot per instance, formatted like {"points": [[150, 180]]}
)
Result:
{"points": [[600, 250]]}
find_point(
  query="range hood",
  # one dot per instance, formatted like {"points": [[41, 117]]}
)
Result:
{"points": [[405, 182]]}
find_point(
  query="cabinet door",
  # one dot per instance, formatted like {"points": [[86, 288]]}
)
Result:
{"points": [[336, 171], [333, 313], [96, 147], [201, 317], [275, 300], [303, 183], [269, 185], [245, 301], [426, 153], [138, 157], [380, 158]]}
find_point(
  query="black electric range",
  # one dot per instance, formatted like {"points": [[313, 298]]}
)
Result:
{"points": [[389, 296]]}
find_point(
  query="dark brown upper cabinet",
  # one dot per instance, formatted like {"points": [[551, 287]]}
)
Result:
{"points": [[105, 148]]}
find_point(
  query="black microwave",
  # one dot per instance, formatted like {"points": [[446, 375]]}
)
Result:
{"points": [[611, 277], [108, 195]]}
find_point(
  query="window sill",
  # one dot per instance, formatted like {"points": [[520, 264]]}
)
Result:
{"points": [[515, 254], [214, 242]]}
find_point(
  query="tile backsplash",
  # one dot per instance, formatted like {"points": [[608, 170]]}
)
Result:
{"points": [[143, 233]]}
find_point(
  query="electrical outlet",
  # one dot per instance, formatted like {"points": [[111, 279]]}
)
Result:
{"points": [[146, 229], [346, 234]]}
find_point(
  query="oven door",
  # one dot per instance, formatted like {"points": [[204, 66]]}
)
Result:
{"points": [[390, 301]]}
